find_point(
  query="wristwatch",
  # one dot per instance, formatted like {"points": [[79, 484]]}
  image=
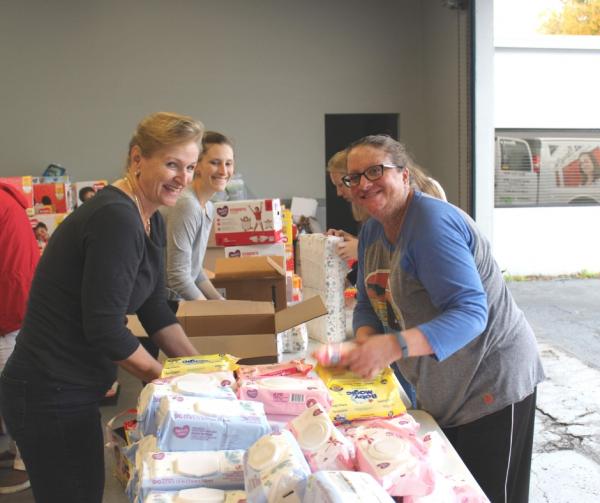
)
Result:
{"points": [[402, 342]]}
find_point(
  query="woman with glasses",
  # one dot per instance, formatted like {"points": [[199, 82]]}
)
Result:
{"points": [[432, 299]]}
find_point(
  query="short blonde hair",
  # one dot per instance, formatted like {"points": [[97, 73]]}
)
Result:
{"points": [[164, 129], [337, 163]]}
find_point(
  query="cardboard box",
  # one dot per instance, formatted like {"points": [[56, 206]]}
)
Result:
{"points": [[23, 184], [52, 197], [245, 329], [254, 221], [278, 249], [252, 278], [95, 185]]}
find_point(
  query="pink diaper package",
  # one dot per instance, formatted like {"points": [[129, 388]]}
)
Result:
{"points": [[397, 462], [323, 445], [285, 395], [290, 368]]}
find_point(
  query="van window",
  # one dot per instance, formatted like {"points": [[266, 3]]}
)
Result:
{"points": [[516, 155]]}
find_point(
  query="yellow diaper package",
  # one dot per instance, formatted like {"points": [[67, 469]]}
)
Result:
{"points": [[199, 364], [356, 398]]}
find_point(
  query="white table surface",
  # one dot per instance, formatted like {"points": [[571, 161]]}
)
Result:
{"points": [[452, 465]]}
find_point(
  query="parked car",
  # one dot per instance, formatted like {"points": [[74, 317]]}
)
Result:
{"points": [[546, 171]]}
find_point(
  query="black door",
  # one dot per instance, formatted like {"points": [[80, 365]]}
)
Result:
{"points": [[340, 131]]}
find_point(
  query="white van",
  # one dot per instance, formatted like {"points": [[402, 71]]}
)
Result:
{"points": [[535, 170]]}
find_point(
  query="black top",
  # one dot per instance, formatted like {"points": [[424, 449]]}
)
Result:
{"points": [[98, 266]]}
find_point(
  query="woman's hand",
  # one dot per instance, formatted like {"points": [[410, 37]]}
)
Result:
{"points": [[348, 248], [372, 355]]}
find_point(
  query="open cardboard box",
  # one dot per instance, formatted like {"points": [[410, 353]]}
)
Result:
{"points": [[259, 278], [246, 329]]}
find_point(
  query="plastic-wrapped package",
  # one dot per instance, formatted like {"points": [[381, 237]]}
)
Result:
{"points": [[197, 495], [199, 364], [210, 385], [273, 467], [356, 398], [173, 471], [293, 340], [324, 274], [285, 395], [323, 445], [208, 424], [343, 487], [396, 462], [289, 368]]}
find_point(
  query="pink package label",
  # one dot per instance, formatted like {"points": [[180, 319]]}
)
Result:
{"points": [[284, 394]]}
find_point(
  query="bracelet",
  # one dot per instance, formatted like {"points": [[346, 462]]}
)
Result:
{"points": [[402, 341]]}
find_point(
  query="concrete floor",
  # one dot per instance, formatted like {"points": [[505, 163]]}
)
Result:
{"points": [[566, 464]]}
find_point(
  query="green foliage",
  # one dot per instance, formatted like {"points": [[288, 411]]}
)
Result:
{"points": [[575, 17]]}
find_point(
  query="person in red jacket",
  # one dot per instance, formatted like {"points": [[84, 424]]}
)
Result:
{"points": [[19, 256]]}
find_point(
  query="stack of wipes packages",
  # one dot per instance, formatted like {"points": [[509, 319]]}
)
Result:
{"points": [[324, 274], [198, 495], [285, 395], [343, 487], [210, 385], [273, 467], [323, 446], [356, 398], [199, 364], [174, 471], [208, 424]]}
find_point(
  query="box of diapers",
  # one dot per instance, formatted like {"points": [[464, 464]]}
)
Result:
{"points": [[187, 423], [210, 385], [174, 471]]}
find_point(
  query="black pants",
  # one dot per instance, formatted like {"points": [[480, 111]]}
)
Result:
{"points": [[58, 431], [497, 450]]}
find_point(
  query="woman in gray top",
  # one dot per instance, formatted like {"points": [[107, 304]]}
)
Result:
{"points": [[190, 220]]}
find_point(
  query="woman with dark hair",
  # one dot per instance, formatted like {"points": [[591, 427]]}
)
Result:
{"points": [[189, 222], [432, 299]]}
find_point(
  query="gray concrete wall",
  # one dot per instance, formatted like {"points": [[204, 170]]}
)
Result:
{"points": [[77, 76]]}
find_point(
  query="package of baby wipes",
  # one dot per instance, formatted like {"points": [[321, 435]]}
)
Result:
{"points": [[323, 445], [285, 395], [356, 398], [403, 426], [196, 495], [289, 368], [174, 471], [343, 487], [198, 364], [186, 423], [210, 385], [396, 462], [273, 466]]}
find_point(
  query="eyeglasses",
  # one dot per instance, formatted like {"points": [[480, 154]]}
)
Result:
{"points": [[372, 173]]}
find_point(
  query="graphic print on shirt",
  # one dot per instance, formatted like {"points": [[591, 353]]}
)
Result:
{"points": [[378, 290]]}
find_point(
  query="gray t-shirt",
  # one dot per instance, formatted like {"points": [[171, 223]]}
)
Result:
{"points": [[441, 277], [188, 229]]}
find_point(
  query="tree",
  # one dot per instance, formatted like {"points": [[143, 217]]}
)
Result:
{"points": [[575, 17]]}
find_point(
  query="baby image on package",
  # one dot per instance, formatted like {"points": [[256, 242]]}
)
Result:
{"points": [[356, 398]]}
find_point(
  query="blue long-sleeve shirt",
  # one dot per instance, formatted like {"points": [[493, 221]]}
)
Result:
{"points": [[440, 276]]}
